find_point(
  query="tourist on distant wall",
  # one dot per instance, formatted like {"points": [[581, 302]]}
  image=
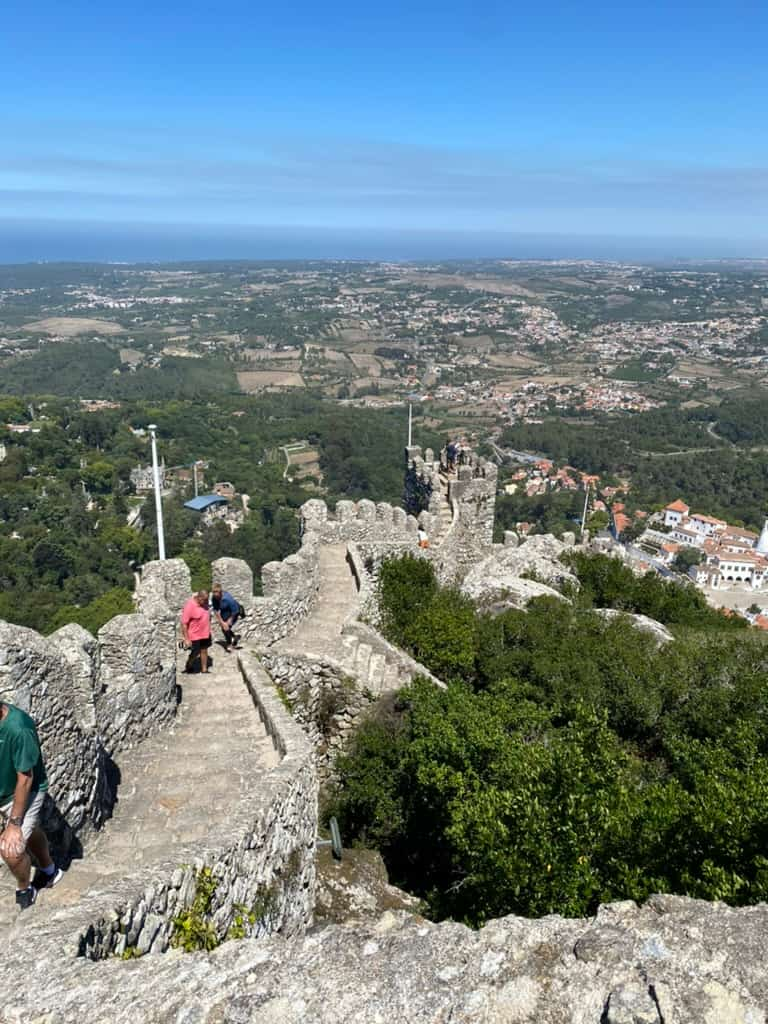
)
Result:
{"points": [[196, 626], [23, 790], [451, 452], [227, 611], [423, 538]]}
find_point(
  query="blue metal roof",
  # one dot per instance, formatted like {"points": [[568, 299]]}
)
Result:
{"points": [[204, 501]]}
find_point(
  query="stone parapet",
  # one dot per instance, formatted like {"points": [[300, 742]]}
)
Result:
{"points": [[356, 521], [289, 592], [136, 680], [408, 668], [37, 677], [366, 559], [235, 576], [322, 697], [163, 588]]}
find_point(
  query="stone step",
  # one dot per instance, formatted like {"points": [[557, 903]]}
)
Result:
{"points": [[349, 646], [362, 661], [391, 679], [376, 668]]}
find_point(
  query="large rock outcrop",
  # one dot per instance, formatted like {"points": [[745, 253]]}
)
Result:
{"points": [[511, 576], [672, 961], [659, 632]]}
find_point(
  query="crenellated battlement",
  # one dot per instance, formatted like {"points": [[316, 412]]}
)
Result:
{"points": [[358, 521]]}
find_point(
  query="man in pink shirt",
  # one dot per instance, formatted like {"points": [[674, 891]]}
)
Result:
{"points": [[196, 626]]}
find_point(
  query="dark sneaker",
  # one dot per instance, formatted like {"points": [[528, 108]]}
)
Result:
{"points": [[43, 881], [25, 897]]}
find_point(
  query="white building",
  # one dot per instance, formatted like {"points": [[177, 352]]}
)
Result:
{"points": [[674, 512], [706, 526], [748, 568]]}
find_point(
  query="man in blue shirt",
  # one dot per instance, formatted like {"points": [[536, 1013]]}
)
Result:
{"points": [[227, 611]]}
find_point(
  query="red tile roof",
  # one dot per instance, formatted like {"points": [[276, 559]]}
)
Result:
{"points": [[678, 506], [621, 522]]}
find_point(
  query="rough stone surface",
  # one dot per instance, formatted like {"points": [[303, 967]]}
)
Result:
{"points": [[504, 592], [163, 585], [504, 571], [136, 680], [79, 649], [356, 887], [36, 676], [695, 963], [236, 576]]}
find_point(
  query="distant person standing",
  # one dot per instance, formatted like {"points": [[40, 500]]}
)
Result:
{"points": [[423, 538], [450, 454], [227, 611], [196, 626], [23, 790]]}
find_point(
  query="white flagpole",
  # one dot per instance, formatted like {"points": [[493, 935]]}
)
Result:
{"points": [[584, 513], [158, 495]]}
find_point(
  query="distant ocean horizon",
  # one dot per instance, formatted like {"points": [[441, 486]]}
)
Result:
{"points": [[48, 241]]}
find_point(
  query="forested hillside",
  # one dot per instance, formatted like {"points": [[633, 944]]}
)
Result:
{"points": [[66, 551], [714, 456]]}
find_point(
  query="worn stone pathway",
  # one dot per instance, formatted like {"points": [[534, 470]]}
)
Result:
{"points": [[320, 633], [174, 787]]}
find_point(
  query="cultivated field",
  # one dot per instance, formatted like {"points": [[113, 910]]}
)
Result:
{"points": [[513, 359], [369, 364], [71, 326], [252, 381], [260, 355]]}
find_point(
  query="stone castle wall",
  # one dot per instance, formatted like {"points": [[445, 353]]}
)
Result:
{"points": [[289, 591], [321, 697], [262, 858], [92, 698], [472, 496], [35, 676]]}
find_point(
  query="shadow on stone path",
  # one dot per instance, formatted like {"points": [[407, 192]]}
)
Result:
{"points": [[174, 788]]}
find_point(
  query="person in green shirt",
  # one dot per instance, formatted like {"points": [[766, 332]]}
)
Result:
{"points": [[23, 789]]}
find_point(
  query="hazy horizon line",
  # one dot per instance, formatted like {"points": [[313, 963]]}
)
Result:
{"points": [[55, 241]]}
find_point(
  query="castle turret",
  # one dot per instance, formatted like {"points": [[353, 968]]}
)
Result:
{"points": [[762, 543]]}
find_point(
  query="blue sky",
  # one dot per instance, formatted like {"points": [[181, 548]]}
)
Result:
{"points": [[623, 120]]}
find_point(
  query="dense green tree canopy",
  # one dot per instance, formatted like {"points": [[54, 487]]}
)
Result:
{"points": [[570, 761]]}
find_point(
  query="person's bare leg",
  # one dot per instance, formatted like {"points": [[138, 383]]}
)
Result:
{"points": [[38, 845], [203, 659], [21, 868]]}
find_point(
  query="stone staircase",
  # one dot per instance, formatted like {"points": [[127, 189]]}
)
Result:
{"points": [[445, 515], [321, 635], [176, 788]]}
